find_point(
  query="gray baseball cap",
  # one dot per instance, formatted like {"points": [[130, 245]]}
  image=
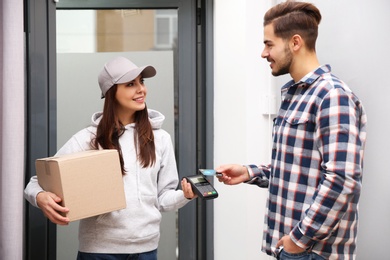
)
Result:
{"points": [[121, 70]]}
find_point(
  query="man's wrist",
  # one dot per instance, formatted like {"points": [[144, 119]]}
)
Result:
{"points": [[304, 242], [248, 171]]}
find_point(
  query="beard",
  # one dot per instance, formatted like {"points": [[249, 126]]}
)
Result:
{"points": [[285, 63]]}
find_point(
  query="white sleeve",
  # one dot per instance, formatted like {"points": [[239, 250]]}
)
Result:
{"points": [[77, 143]]}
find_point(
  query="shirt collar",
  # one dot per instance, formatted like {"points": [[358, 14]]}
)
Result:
{"points": [[309, 78]]}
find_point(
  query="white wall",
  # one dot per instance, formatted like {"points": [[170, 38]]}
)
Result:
{"points": [[354, 39], [242, 133]]}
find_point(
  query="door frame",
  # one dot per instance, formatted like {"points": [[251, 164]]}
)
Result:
{"points": [[194, 142]]}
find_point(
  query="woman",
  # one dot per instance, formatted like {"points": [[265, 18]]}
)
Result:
{"points": [[148, 167]]}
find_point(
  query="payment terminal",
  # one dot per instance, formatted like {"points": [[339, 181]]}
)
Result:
{"points": [[202, 187]]}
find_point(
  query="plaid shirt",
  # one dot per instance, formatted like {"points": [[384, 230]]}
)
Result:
{"points": [[316, 170]]}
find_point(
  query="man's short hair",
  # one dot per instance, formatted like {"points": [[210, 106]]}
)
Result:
{"points": [[291, 17]]}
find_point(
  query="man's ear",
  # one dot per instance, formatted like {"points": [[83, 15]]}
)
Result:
{"points": [[296, 42]]}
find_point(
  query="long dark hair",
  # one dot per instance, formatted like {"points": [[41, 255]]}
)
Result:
{"points": [[110, 129]]}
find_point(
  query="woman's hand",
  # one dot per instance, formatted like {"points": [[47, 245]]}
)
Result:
{"points": [[48, 202], [187, 189]]}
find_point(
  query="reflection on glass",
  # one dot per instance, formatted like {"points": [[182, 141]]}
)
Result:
{"points": [[85, 40], [89, 31]]}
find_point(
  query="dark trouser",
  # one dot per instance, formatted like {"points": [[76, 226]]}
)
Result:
{"points": [[283, 255], [152, 255]]}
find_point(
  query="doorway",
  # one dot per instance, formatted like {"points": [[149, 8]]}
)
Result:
{"points": [[176, 45], [86, 39]]}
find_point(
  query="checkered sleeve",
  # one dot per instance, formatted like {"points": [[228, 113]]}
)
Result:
{"points": [[258, 175], [340, 146]]}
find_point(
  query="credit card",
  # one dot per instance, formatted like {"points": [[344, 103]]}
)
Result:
{"points": [[210, 172]]}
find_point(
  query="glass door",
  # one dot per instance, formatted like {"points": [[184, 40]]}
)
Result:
{"points": [[86, 39]]}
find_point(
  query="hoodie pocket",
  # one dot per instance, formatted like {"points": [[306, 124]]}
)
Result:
{"points": [[139, 221]]}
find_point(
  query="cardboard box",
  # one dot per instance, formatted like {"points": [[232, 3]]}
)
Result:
{"points": [[90, 183]]}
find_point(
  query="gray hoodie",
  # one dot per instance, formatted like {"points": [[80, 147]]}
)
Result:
{"points": [[148, 192]]}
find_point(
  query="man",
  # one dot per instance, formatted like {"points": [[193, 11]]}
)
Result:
{"points": [[314, 178]]}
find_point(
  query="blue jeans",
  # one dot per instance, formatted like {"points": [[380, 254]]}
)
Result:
{"points": [[283, 255], [152, 255]]}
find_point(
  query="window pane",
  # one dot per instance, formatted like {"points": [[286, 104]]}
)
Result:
{"points": [[163, 31]]}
